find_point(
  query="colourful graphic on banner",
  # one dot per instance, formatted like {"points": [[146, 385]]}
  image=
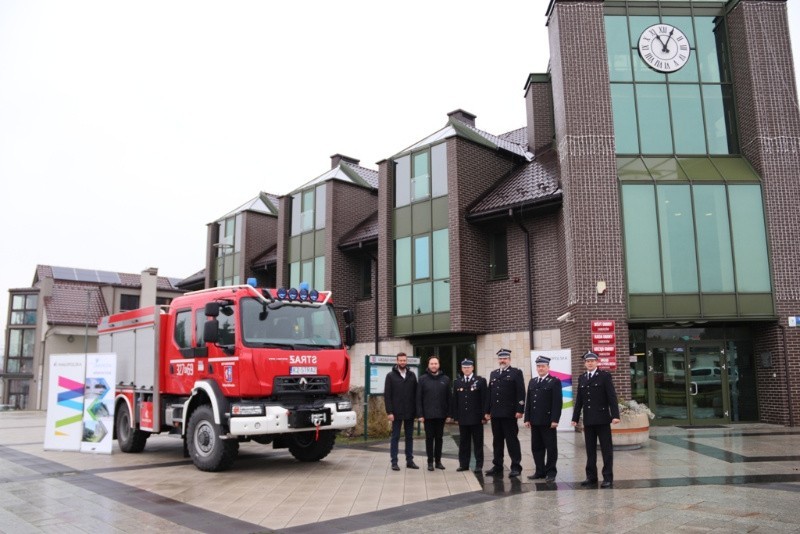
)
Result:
{"points": [[98, 412], [66, 399], [566, 388], [66, 374]]}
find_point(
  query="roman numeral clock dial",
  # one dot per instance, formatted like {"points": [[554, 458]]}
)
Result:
{"points": [[664, 47]]}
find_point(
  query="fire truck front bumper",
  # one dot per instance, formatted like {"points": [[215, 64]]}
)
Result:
{"points": [[281, 420]]}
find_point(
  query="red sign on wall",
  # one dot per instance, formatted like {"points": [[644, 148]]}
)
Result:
{"points": [[604, 344]]}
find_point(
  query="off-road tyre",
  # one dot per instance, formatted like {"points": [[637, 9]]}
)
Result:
{"points": [[207, 449], [129, 439], [305, 447]]}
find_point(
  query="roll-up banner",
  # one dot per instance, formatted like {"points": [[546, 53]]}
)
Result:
{"points": [[561, 368]]}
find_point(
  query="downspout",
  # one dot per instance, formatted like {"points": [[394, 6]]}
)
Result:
{"points": [[788, 380], [529, 271], [375, 299]]}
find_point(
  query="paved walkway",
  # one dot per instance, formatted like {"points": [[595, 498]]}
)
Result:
{"points": [[738, 478]]}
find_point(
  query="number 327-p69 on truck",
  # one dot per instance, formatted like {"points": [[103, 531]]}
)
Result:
{"points": [[232, 364]]}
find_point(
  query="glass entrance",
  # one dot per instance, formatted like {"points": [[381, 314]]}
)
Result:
{"points": [[450, 356], [689, 383]]}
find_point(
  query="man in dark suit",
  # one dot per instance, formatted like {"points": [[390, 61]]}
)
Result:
{"points": [[400, 399], [542, 412], [598, 400], [506, 405], [470, 395]]}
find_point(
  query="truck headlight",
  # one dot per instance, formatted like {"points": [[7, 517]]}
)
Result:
{"points": [[344, 405]]}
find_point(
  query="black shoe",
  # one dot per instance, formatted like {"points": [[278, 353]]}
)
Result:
{"points": [[493, 472], [462, 468], [550, 479], [535, 477], [411, 465], [514, 474], [478, 470], [588, 482], [607, 484], [439, 465], [395, 467], [430, 466]]}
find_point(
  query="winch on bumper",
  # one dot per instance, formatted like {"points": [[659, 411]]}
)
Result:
{"points": [[274, 419]]}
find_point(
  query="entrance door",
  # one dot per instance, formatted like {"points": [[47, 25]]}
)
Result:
{"points": [[689, 383], [450, 356]]}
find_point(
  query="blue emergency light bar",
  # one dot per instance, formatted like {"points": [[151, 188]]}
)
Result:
{"points": [[303, 295]]}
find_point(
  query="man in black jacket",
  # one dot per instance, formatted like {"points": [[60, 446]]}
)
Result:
{"points": [[598, 400], [470, 395], [399, 397], [433, 407], [542, 412], [506, 405]]}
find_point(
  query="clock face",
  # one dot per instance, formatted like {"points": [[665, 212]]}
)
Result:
{"points": [[664, 47]]}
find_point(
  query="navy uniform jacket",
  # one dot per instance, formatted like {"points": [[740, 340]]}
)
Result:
{"points": [[469, 400], [543, 404], [506, 393], [597, 398]]}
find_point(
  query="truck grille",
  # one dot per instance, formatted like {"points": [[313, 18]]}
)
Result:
{"points": [[302, 384]]}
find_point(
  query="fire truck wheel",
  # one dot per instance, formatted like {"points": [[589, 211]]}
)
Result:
{"points": [[305, 447], [129, 439], [208, 451]]}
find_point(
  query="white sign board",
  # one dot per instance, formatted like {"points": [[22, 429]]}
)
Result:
{"points": [[64, 426], [380, 366], [561, 368]]}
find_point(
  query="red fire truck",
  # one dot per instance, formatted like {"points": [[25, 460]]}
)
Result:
{"points": [[232, 364]]}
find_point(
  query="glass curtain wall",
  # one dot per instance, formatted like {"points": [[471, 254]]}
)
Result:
{"points": [[307, 241]]}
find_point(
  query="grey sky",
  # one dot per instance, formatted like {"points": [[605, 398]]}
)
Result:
{"points": [[126, 127]]}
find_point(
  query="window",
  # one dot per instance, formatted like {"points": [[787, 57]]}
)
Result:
{"points": [[183, 329], [21, 343], [228, 250], [307, 243], [422, 272], [498, 255], [163, 301], [365, 286], [199, 326], [689, 111], [308, 210], [23, 309], [128, 302], [421, 175], [684, 239]]}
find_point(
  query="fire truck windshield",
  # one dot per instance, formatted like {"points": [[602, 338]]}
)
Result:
{"points": [[289, 326]]}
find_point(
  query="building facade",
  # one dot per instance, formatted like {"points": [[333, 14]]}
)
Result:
{"points": [[58, 314]]}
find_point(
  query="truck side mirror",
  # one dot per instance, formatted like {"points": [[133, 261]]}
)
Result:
{"points": [[348, 316], [211, 330], [211, 310], [350, 335]]}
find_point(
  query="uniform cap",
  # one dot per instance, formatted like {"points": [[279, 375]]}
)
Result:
{"points": [[467, 362], [590, 356], [543, 359], [503, 353]]}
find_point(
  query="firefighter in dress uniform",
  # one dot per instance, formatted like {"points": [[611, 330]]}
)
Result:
{"points": [[506, 405], [598, 400], [470, 395], [542, 412]]}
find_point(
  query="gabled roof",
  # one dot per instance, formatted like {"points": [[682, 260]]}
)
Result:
{"points": [[365, 232], [534, 183], [518, 136], [74, 303], [268, 257], [456, 128], [265, 203], [191, 281], [344, 172], [99, 278]]}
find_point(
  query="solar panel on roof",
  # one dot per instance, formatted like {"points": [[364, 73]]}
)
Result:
{"points": [[63, 273], [86, 275], [108, 277]]}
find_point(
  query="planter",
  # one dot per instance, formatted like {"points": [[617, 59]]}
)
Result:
{"points": [[632, 432]]}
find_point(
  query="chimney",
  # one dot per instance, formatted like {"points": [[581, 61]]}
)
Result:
{"points": [[149, 281], [336, 159], [539, 111], [464, 116]]}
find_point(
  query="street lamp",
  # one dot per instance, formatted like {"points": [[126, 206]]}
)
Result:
{"points": [[222, 247]]}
